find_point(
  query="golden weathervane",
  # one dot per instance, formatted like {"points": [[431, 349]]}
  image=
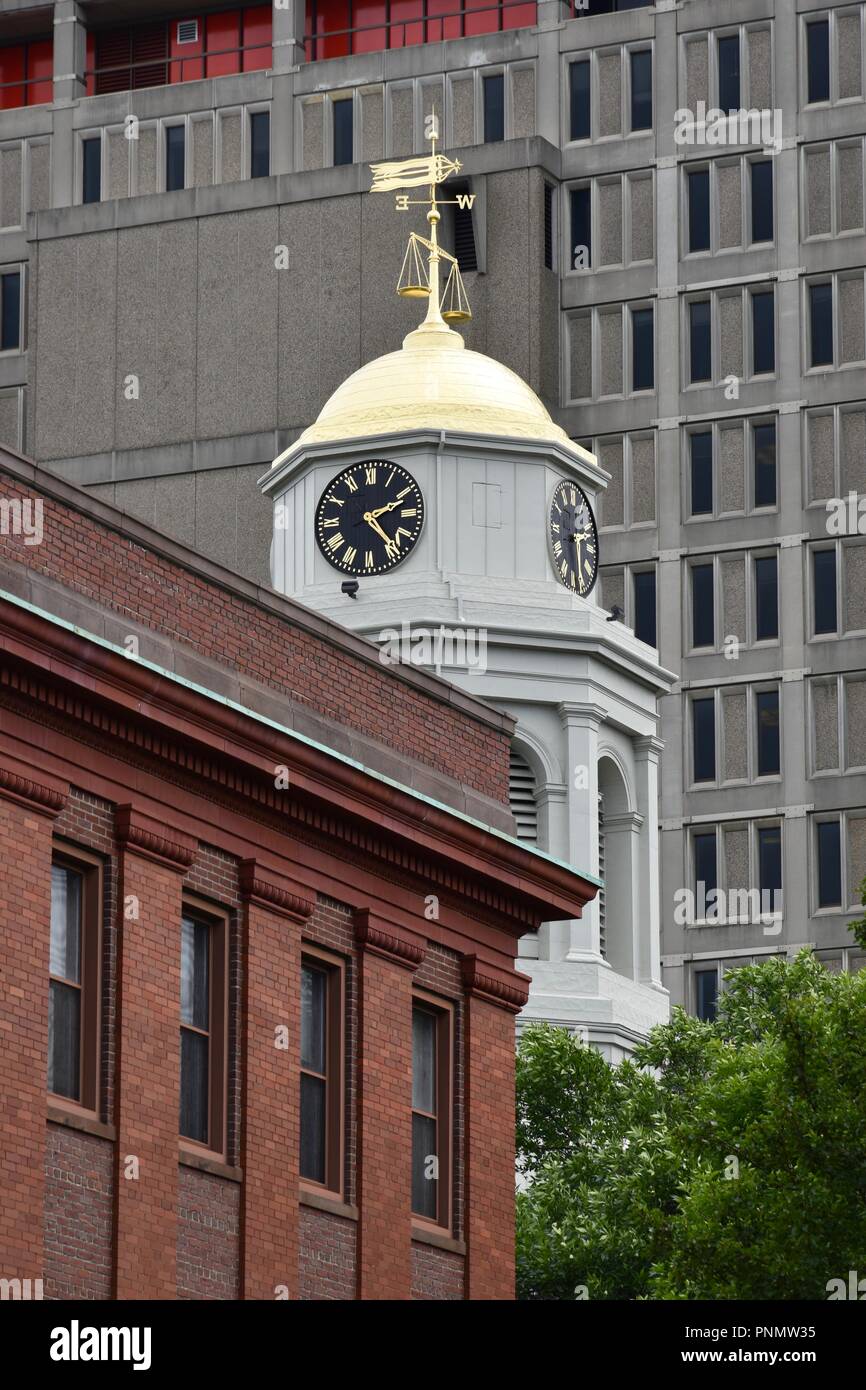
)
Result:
{"points": [[416, 279]]}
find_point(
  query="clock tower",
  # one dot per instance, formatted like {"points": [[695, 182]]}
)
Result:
{"points": [[437, 509]]}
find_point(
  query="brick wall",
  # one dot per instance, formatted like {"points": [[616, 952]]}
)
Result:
{"points": [[436, 1274], [25, 910], [327, 1255], [79, 1209], [90, 558], [207, 1235]]}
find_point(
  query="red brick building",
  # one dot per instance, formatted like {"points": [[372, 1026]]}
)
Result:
{"points": [[259, 912]]}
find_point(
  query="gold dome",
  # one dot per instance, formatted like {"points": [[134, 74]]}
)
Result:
{"points": [[434, 382]]}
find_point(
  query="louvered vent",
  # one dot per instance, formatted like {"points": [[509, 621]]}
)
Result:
{"points": [[149, 44], [602, 940], [113, 52], [464, 235], [521, 791], [187, 31], [548, 226]]}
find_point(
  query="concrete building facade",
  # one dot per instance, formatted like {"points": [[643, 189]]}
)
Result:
{"points": [[707, 346]]}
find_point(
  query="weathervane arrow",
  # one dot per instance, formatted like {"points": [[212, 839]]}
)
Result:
{"points": [[412, 173]]}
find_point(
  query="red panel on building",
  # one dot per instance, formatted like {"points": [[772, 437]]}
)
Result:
{"points": [[40, 71], [257, 37], [189, 66], [12, 64], [222, 43]]}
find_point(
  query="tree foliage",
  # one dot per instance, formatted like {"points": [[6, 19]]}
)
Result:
{"points": [[727, 1160]]}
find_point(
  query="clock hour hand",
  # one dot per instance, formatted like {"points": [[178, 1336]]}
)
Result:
{"points": [[389, 507]]}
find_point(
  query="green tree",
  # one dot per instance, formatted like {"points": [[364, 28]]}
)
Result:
{"points": [[728, 1160]]}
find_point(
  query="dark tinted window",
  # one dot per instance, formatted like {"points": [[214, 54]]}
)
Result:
{"points": [[818, 46], [700, 341], [829, 864], [581, 227], [64, 991], [762, 200], [343, 131], [699, 210], [314, 1073], [494, 108], [706, 994], [763, 332], [642, 90], [195, 1029], [704, 731], [765, 465], [10, 311], [770, 859], [701, 447], [703, 622], [579, 89], [767, 708], [91, 171], [824, 569], [645, 606], [766, 598], [260, 144], [729, 73], [706, 872], [643, 359], [175, 144], [425, 1086], [821, 324]]}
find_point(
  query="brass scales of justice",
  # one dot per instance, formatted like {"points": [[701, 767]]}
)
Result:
{"points": [[418, 280]]}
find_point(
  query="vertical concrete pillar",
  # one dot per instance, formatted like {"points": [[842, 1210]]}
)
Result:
{"points": [[153, 859], [389, 957], [288, 54], [27, 809], [70, 53], [492, 998], [581, 722], [274, 912], [647, 752]]}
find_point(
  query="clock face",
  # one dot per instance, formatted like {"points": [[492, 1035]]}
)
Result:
{"points": [[573, 538], [369, 518]]}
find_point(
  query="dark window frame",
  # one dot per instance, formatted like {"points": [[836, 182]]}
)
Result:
{"points": [[334, 969], [760, 217], [704, 759], [692, 175], [705, 834], [763, 363], [92, 870], [713, 970], [645, 311], [645, 573], [710, 566], [640, 53], [12, 272], [726, 43], [823, 632], [579, 101], [168, 129], [823, 871], [493, 112], [696, 465], [256, 120], [445, 1012], [89, 142], [770, 636], [771, 693], [339, 136], [815, 363], [813, 26], [704, 341], [218, 921], [759, 464]]}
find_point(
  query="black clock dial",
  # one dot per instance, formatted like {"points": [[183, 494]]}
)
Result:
{"points": [[573, 538], [369, 518]]}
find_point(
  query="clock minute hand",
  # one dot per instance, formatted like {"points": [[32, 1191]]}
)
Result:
{"points": [[370, 518]]}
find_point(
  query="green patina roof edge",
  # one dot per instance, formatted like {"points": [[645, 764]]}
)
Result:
{"points": [[293, 734]]}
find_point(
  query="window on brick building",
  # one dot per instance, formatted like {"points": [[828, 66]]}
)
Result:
{"points": [[322, 1068], [431, 1111], [73, 991], [203, 1027]]}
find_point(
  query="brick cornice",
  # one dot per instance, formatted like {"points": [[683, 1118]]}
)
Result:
{"points": [[506, 989], [45, 797], [386, 939], [153, 839], [265, 888]]}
